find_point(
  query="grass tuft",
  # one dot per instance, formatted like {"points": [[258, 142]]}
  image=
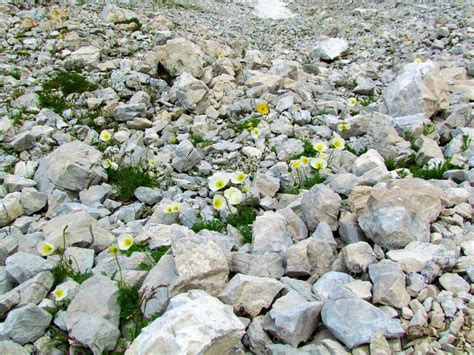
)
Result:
{"points": [[127, 178], [242, 221], [214, 225]]}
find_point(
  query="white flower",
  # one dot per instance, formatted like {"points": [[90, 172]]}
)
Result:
{"points": [[319, 163], [106, 163], [255, 133], [304, 161], [218, 202], [338, 142], [45, 248], [59, 293], [113, 165], [218, 181], [319, 146], [105, 136], [351, 102], [125, 241], [233, 195], [238, 177]]}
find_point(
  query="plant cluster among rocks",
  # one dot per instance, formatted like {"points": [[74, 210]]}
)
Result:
{"points": [[187, 178]]}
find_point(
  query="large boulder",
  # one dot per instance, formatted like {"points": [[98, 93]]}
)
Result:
{"points": [[389, 284], [320, 204], [270, 234], [419, 88], [354, 321], [26, 324], [73, 166], [92, 317], [401, 213], [200, 264], [177, 56], [195, 323], [330, 49], [250, 294], [191, 93]]}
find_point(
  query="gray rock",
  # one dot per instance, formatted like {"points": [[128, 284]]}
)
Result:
{"points": [[82, 230], [127, 112], [267, 185], [354, 321], [419, 88], [368, 161], [401, 214], [454, 283], [358, 256], [81, 258], [200, 264], [186, 157], [26, 324], [148, 195], [349, 230], [23, 141], [330, 49], [255, 338], [429, 149], [250, 294], [33, 290], [22, 266], [292, 318], [93, 315], [263, 265], [329, 283], [320, 204], [10, 347], [73, 166], [86, 56], [191, 325], [157, 286], [270, 234], [177, 56], [191, 93], [11, 208], [32, 200], [389, 284]]}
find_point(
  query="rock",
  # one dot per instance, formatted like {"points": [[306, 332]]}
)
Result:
{"points": [[16, 183], [186, 156], [73, 166], [354, 321], [270, 234], [191, 326], [86, 56], [23, 266], [157, 286], [292, 319], [11, 208], [23, 141], [358, 256], [389, 284], [361, 289], [32, 200], [429, 149], [262, 83], [83, 258], [82, 230], [349, 230], [329, 283], [92, 317], [127, 112], [367, 162], [419, 88], [320, 204], [454, 283], [176, 57], [26, 324], [200, 264], [401, 214], [255, 338], [250, 294], [10, 347], [191, 93], [295, 224], [267, 185], [330, 49], [33, 290], [264, 265], [365, 86]]}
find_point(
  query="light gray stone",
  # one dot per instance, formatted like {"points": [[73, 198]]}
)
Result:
{"points": [[250, 294], [191, 326], [270, 234], [358, 256], [73, 166], [330, 49], [186, 156], [320, 204], [32, 200], [329, 283], [26, 324], [264, 265], [191, 93], [22, 266], [454, 283], [389, 284]]}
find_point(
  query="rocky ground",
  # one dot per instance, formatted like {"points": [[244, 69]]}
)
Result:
{"points": [[193, 179]]}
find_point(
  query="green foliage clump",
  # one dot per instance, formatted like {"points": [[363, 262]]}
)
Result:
{"points": [[355, 151], [429, 172], [127, 178], [214, 225], [199, 141], [248, 124], [153, 255], [308, 150], [55, 90], [427, 129], [242, 221], [410, 136]]}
